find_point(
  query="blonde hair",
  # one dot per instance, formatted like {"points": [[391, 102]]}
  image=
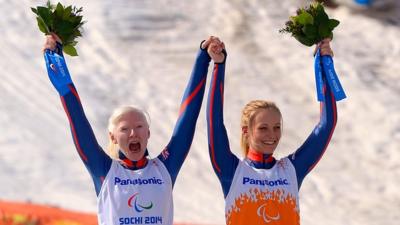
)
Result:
{"points": [[112, 148], [248, 113]]}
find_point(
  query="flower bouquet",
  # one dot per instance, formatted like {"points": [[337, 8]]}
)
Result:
{"points": [[66, 22], [310, 25]]}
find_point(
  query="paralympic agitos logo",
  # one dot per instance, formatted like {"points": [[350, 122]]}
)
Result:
{"points": [[133, 202], [262, 212]]}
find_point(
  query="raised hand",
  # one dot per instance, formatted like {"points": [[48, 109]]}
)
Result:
{"points": [[51, 42], [215, 49], [55, 64], [206, 43], [325, 47]]}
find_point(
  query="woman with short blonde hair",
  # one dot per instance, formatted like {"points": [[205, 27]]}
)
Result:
{"points": [[131, 187]]}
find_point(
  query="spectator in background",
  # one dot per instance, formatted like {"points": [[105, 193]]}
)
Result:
{"points": [[363, 2]]}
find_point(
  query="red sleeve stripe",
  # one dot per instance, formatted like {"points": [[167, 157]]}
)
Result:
{"points": [[221, 89], [74, 92], [189, 99], [331, 132], [214, 81], [81, 154]]}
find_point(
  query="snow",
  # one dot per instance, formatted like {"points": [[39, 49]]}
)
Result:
{"points": [[141, 53]]}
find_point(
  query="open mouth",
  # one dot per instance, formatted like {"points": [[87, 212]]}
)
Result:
{"points": [[269, 142], [134, 147]]}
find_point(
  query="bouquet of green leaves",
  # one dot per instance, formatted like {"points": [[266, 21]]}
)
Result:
{"points": [[66, 22], [310, 25]]}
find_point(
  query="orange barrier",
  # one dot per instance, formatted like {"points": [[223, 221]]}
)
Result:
{"points": [[12, 213]]}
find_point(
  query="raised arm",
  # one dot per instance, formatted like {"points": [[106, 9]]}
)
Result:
{"points": [[177, 149], [94, 158], [308, 155], [223, 160]]}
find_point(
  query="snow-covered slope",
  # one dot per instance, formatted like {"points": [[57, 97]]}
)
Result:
{"points": [[141, 52]]}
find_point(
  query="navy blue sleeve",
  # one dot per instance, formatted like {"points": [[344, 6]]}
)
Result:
{"points": [[178, 147], [95, 159], [224, 162], [310, 152]]}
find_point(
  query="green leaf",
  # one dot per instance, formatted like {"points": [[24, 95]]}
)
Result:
{"points": [[310, 31], [42, 25], [59, 12], [79, 10], [305, 18], [76, 20], [67, 12], [49, 5], [69, 41], [294, 20], [70, 50], [333, 23], [304, 40], [77, 33], [34, 10], [319, 8], [321, 17], [323, 30], [73, 43], [46, 16], [330, 35], [66, 25]]}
